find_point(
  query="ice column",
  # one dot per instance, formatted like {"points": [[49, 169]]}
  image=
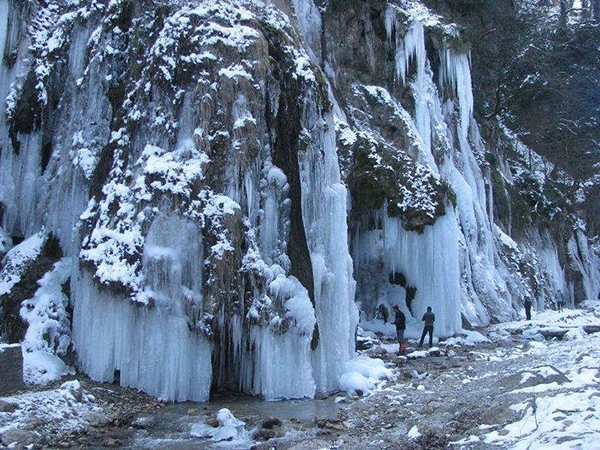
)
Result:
{"points": [[323, 199], [282, 364], [21, 185], [309, 20], [481, 276], [3, 26], [586, 262], [430, 262], [447, 111], [457, 75], [324, 212], [152, 347]]}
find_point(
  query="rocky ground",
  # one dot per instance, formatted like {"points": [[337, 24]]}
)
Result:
{"points": [[444, 401], [511, 390]]}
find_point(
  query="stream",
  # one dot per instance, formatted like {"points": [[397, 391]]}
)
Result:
{"points": [[169, 427]]}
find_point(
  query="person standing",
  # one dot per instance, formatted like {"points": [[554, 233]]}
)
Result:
{"points": [[400, 322], [560, 300], [527, 305], [428, 318], [383, 313]]}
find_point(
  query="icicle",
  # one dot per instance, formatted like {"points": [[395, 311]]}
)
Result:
{"points": [[457, 75], [3, 27], [391, 22], [409, 48], [151, 349]]}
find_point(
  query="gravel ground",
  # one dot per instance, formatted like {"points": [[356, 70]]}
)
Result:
{"points": [[455, 399]]}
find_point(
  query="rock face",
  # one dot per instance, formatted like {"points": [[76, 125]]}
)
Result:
{"points": [[228, 180], [11, 369]]}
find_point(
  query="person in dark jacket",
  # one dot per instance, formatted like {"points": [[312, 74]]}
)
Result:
{"points": [[428, 318], [383, 313], [560, 300], [527, 305], [400, 322]]}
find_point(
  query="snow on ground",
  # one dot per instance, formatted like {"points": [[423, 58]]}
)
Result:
{"points": [[545, 371], [362, 375], [562, 415], [61, 411], [506, 386]]}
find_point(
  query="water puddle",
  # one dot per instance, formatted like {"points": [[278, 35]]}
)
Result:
{"points": [[171, 424]]}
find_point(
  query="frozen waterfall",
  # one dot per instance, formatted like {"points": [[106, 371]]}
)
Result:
{"points": [[451, 266], [199, 169]]}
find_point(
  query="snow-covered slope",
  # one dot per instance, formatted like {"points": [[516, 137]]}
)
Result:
{"points": [[218, 175]]}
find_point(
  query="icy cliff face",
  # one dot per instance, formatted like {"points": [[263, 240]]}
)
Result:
{"points": [[194, 160], [422, 179], [185, 158]]}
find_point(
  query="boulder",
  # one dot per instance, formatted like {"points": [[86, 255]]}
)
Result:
{"points": [[550, 333], [271, 422], [434, 351], [589, 329], [534, 377], [366, 342], [11, 369], [16, 438], [8, 406], [144, 422]]}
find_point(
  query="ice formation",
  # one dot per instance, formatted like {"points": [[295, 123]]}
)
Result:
{"points": [[463, 265], [173, 274], [228, 429], [190, 165]]}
